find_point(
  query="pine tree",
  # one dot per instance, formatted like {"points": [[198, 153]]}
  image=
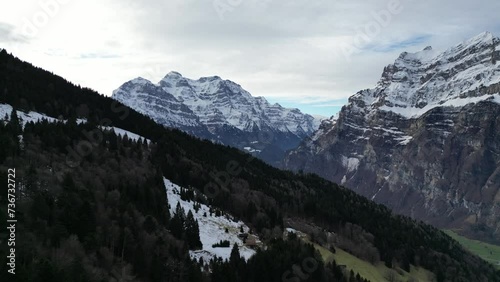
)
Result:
{"points": [[15, 123], [179, 211], [31, 180], [177, 222], [235, 257], [113, 140], [192, 232]]}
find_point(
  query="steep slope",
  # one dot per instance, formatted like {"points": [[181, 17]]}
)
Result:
{"points": [[219, 110], [212, 227], [425, 141]]}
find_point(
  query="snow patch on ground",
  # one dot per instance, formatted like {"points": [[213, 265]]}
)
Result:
{"points": [[6, 110], [212, 228], [404, 140], [252, 150], [350, 163], [375, 195], [344, 180], [123, 132]]}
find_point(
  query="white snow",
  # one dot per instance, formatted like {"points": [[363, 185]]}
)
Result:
{"points": [[252, 150], [350, 163], [344, 180], [178, 101], [6, 110], [212, 228], [123, 132], [419, 82], [413, 112], [404, 140], [375, 195]]}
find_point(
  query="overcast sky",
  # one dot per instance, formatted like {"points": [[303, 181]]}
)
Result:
{"points": [[301, 53]]}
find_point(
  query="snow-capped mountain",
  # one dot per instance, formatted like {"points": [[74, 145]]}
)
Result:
{"points": [[220, 110], [424, 141], [419, 82]]}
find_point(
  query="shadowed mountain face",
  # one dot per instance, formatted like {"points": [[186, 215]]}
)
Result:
{"points": [[219, 110], [425, 141]]}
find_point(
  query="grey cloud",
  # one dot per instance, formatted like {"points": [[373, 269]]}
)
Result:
{"points": [[8, 34]]}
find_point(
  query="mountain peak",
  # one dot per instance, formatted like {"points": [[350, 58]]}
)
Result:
{"points": [[210, 78], [173, 75], [418, 82], [484, 38], [140, 80], [485, 35]]}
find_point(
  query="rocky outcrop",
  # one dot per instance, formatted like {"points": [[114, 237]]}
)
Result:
{"points": [[425, 141]]}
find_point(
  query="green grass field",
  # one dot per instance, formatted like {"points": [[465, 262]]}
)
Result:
{"points": [[374, 273], [378, 272], [488, 252]]}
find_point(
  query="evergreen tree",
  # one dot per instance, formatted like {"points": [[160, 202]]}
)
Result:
{"points": [[192, 232], [235, 257], [177, 222], [31, 180], [15, 123]]}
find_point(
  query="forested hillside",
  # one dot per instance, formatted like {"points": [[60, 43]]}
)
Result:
{"points": [[92, 205]]}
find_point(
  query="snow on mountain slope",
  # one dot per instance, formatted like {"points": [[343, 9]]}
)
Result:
{"points": [[419, 82], [149, 99], [212, 228], [217, 101], [122, 132], [221, 111], [6, 110]]}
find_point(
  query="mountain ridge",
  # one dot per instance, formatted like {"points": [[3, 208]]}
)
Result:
{"points": [[219, 110]]}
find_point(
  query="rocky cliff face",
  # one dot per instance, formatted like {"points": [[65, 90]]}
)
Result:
{"points": [[219, 110], [425, 141]]}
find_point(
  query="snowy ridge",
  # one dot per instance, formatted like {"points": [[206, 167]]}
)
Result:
{"points": [[150, 99], [123, 132], [212, 228], [211, 102], [419, 82], [6, 110], [214, 99], [220, 111]]}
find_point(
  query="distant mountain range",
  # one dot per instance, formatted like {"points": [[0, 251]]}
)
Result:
{"points": [[424, 141], [219, 110]]}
